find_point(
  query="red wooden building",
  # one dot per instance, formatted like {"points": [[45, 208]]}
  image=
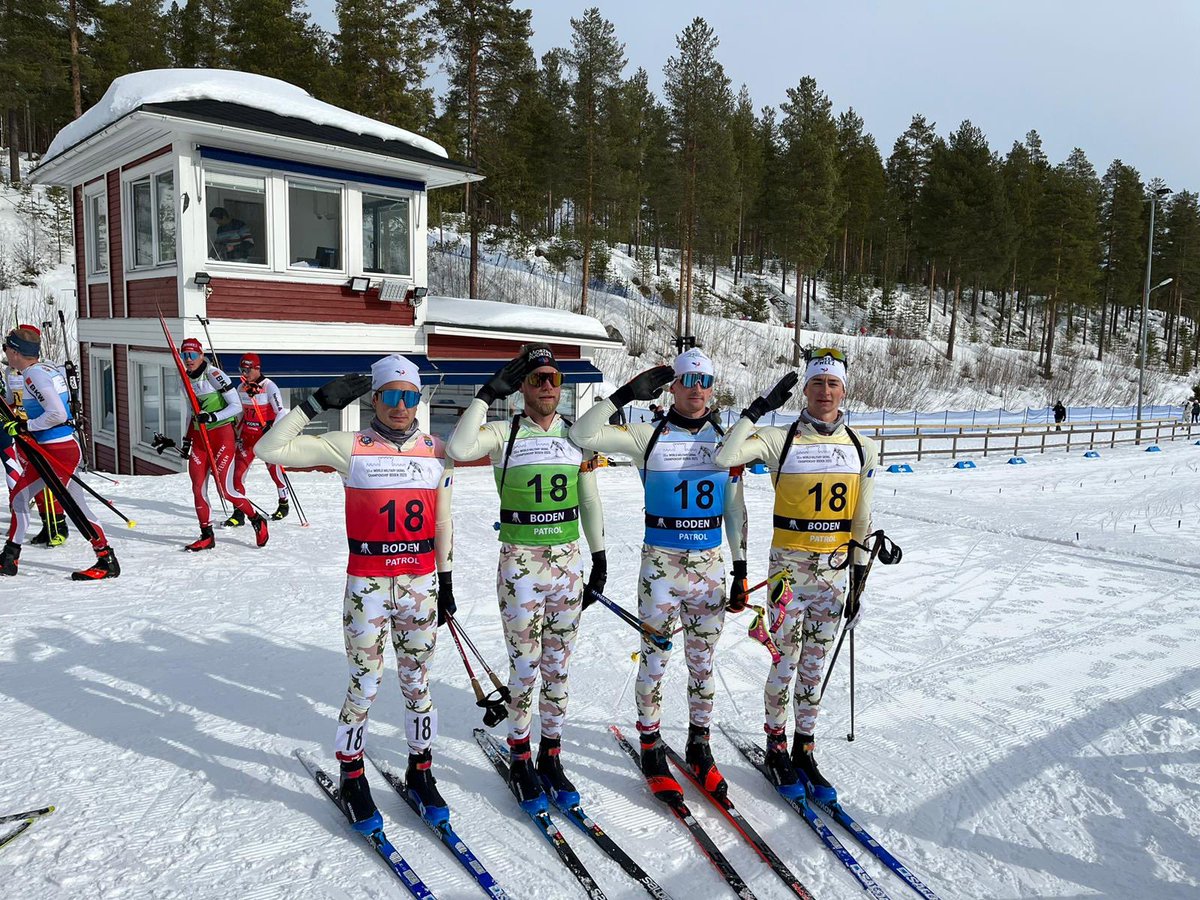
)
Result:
{"points": [[297, 229]]}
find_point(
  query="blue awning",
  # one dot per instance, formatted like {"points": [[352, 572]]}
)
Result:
{"points": [[314, 369]]}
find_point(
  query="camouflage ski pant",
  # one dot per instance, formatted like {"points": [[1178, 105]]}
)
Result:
{"points": [[804, 636], [674, 584], [541, 597], [407, 606]]}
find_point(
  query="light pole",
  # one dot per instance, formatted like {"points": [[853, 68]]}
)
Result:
{"points": [[1154, 195]]}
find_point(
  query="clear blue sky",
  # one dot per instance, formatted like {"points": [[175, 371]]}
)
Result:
{"points": [[1115, 77]]}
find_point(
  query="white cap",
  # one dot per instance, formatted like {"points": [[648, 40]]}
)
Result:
{"points": [[394, 368], [694, 360], [825, 365]]}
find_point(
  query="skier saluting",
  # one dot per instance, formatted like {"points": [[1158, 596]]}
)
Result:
{"points": [[688, 497], [546, 487], [262, 404], [219, 408], [824, 480], [400, 536], [46, 403]]}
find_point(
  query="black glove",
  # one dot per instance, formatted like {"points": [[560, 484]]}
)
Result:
{"points": [[186, 450], [738, 589], [445, 597], [597, 578], [339, 393], [161, 442], [507, 380], [643, 386], [858, 575], [773, 399], [253, 389], [206, 418]]}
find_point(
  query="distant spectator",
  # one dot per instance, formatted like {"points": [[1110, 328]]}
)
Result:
{"points": [[233, 240], [1195, 410], [657, 413], [1060, 415]]}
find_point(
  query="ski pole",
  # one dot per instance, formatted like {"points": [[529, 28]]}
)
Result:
{"points": [[208, 340], [657, 638], [850, 736], [499, 685], [494, 707], [87, 487], [292, 493]]}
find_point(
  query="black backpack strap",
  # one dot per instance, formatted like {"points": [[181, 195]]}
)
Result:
{"points": [[512, 439], [862, 456], [787, 445], [659, 427]]}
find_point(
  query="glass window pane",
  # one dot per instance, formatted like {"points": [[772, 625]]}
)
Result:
{"points": [[385, 235], [149, 381], [329, 420], [143, 224], [99, 237], [104, 407], [165, 207], [237, 217], [175, 404], [314, 225]]}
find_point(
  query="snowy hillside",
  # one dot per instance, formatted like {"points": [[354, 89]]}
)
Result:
{"points": [[886, 373], [1026, 703]]}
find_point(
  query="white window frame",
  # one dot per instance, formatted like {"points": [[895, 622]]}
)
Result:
{"points": [[130, 235], [268, 239], [169, 374], [98, 355], [98, 191], [344, 190], [360, 191]]}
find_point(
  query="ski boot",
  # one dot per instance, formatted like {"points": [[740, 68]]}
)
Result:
{"points": [[259, 524], [354, 795], [779, 765], [52, 534], [654, 766], [523, 778], [281, 511], [554, 779], [206, 542], [819, 788], [422, 787], [106, 567], [237, 520], [700, 760], [9, 557]]}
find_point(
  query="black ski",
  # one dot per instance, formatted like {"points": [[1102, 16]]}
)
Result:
{"points": [[606, 844], [738, 821], [28, 814], [378, 840], [545, 825], [25, 821], [684, 815]]}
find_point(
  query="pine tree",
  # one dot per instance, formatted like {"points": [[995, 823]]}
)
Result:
{"points": [[382, 52], [1124, 221], [198, 34], [748, 160], [862, 188], [907, 171], [276, 38]]}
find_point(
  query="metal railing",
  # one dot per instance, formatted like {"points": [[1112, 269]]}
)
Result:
{"points": [[897, 442]]}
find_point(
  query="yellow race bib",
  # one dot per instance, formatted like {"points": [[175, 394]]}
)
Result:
{"points": [[816, 493]]}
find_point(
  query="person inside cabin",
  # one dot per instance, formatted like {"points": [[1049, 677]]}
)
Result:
{"points": [[233, 240]]}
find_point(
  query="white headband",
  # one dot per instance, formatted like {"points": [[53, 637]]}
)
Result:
{"points": [[825, 365], [394, 368]]}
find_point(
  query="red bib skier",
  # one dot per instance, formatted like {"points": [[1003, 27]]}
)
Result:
{"points": [[400, 537], [262, 404]]}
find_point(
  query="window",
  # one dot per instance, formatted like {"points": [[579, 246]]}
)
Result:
{"points": [[153, 204], [160, 402], [328, 420], [104, 405], [385, 234], [314, 225], [96, 223], [237, 218]]}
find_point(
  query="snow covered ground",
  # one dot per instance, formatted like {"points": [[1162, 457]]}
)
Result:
{"points": [[1028, 702]]}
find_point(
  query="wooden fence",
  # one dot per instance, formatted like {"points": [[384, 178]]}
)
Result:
{"points": [[906, 442]]}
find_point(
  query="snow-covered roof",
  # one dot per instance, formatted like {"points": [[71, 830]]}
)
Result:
{"points": [[137, 89], [491, 315]]}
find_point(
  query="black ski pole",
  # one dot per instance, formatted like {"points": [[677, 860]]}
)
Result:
{"points": [[292, 493], [850, 736], [208, 340], [91, 490]]}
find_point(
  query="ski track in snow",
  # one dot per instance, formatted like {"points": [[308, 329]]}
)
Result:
{"points": [[1026, 702]]}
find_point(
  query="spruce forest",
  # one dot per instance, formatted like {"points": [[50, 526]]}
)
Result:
{"points": [[580, 154]]}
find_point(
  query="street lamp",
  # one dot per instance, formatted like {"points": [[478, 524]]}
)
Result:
{"points": [[1154, 196]]}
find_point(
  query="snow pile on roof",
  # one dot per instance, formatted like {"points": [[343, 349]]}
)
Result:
{"points": [[129, 92], [495, 316]]}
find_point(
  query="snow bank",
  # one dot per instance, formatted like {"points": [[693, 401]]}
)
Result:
{"points": [[511, 317], [129, 92]]}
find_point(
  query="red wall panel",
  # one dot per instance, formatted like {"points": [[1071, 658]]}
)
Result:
{"points": [[145, 293], [116, 259], [124, 403], [81, 292], [288, 301]]}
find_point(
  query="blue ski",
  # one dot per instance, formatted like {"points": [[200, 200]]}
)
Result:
{"points": [[606, 844], [377, 839], [541, 818], [757, 757], [447, 836]]}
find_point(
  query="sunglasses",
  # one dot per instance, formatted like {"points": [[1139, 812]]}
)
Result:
{"points": [[537, 379], [821, 352], [191, 355], [399, 398], [691, 379]]}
